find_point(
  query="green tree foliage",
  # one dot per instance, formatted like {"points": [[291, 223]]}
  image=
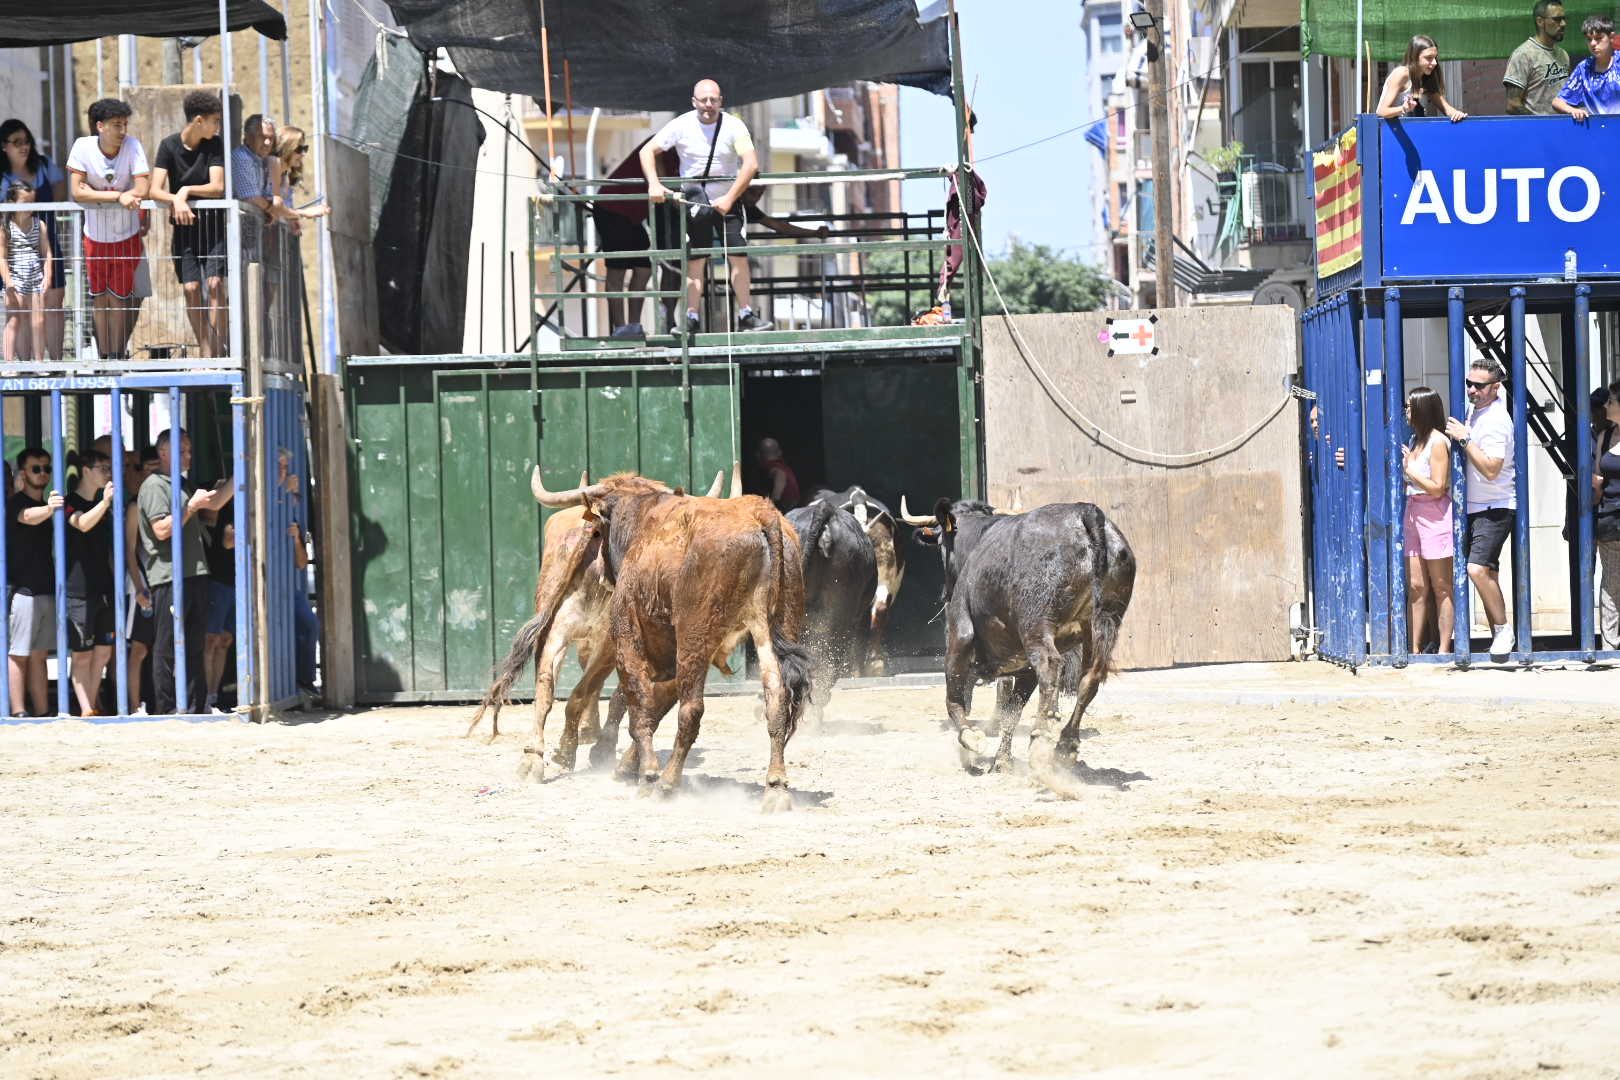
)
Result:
{"points": [[1033, 278]]}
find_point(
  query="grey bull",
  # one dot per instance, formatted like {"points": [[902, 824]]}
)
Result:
{"points": [[876, 520], [1023, 591], [840, 578]]}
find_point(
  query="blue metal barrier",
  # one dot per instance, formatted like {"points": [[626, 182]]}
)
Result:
{"points": [[45, 400]]}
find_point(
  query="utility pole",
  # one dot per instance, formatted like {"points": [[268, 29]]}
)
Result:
{"points": [[1164, 250]]}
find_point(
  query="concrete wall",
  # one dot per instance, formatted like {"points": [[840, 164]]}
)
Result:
{"points": [[1218, 539]]}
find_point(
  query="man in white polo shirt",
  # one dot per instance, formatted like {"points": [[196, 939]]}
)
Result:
{"points": [[1487, 442], [710, 143]]}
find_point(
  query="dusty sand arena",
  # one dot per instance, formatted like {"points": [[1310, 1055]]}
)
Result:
{"points": [[1386, 884]]}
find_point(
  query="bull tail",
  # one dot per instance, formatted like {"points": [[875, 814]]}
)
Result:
{"points": [[1107, 611], [527, 644], [792, 658], [818, 526]]}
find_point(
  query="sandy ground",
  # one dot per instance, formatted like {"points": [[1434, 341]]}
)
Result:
{"points": [[1326, 875]]}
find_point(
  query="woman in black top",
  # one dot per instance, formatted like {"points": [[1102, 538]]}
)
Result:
{"points": [[90, 576]]}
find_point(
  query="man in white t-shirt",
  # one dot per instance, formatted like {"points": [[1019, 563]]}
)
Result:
{"points": [[108, 172], [710, 143], [1487, 443]]}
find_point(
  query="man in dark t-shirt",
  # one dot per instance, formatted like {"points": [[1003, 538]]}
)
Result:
{"points": [[30, 571], [190, 164]]}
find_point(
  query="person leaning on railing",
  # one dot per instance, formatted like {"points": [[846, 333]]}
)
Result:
{"points": [[250, 180], [1416, 87], [109, 173], [26, 262], [190, 164], [286, 174], [1538, 67], [1593, 88], [23, 161]]}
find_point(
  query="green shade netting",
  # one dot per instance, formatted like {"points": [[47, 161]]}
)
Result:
{"points": [[1463, 29]]}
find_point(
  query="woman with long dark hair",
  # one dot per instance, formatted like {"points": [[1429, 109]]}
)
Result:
{"points": [[20, 159], [1415, 86], [1426, 461]]}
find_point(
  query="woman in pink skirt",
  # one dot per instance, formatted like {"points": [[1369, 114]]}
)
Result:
{"points": [[1427, 464]]}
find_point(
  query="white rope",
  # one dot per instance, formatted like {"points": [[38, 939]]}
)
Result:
{"points": [[1075, 414], [731, 363]]}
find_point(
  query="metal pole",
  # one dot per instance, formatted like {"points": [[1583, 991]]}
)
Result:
{"points": [[5, 576], [171, 61], [259, 482], [1164, 251], [264, 76], [59, 548], [317, 99], [1574, 402], [1523, 645], [101, 75], [1395, 477], [591, 327], [128, 62], [177, 561], [1360, 31], [506, 164], [233, 215], [120, 553], [286, 78], [1462, 611], [245, 595]]}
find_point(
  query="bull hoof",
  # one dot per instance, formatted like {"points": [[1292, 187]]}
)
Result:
{"points": [[532, 765], [563, 761], [667, 791], [777, 800], [647, 786], [970, 748], [602, 754], [1003, 763]]}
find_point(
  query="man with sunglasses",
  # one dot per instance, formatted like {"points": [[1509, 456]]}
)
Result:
{"points": [[1487, 443], [30, 571], [1538, 67]]}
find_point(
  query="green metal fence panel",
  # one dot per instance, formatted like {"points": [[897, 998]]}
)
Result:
{"points": [[446, 533]]}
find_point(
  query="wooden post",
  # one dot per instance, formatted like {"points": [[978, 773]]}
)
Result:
{"points": [[333, 565]]}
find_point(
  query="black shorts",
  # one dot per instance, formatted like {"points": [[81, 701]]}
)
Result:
{"points": [[90, 622], [199, 252], [615, 233], [143, 627], [702, 232], [1488, 530]]}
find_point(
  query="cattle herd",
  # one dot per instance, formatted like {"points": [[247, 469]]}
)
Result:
{"points": [[660, 585]]}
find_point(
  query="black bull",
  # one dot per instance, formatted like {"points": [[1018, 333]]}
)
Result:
{"points": [[840, 578], [1024, 591]]}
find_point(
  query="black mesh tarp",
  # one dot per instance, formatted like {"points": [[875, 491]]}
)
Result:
{"points": [[425, 224], [646, 54], [61, 21]]}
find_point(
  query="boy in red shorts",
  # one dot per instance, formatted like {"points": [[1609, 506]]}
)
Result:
{"points": [[109, 174]]}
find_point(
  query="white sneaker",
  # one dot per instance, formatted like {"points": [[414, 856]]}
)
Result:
{"points": [[1502, 643]]}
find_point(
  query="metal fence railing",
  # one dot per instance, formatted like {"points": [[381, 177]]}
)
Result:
{"points": [[127, 301]]}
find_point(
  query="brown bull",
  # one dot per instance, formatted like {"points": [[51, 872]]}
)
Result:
{"points": [[691, 579], [571, 608]]}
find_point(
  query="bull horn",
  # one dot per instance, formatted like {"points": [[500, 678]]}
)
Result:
{"points": [[736, 481], [556, 500], [584, 478], [910, 519], [714, 488]]}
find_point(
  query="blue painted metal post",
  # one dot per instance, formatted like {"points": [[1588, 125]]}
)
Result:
{"points": [[64, 661], [1395, 475], [120, 554], [244, 566], [1375, 338], [1575, 414], [1309, 325], [1523, 644], [1462, 644], [5, 582], [177, 564], [1333, 559], [1356, 465]]}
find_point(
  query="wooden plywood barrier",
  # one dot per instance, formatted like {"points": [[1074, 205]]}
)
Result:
{"points": [[1156, 439]]}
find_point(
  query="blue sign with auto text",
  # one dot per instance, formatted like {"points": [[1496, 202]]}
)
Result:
{"points": [[1509, 198]]}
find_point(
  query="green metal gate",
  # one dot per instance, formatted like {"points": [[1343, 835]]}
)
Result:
{"points": [[446, 534]]}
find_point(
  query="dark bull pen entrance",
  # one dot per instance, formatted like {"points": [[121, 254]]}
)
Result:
{"points": [[1398, 258]]}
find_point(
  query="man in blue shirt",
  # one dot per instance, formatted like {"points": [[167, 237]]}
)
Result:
{"points": [[1593, 88]]}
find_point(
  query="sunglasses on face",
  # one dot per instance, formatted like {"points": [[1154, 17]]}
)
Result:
{"points": [[1472, 385], [39, 470], [300, 149]]}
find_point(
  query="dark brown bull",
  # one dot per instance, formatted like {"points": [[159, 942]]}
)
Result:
{"points": [[570, 609], [691, 579]]}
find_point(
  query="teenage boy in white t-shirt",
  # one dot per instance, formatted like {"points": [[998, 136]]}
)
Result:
{"points": [[108, 172], [710, 143]]}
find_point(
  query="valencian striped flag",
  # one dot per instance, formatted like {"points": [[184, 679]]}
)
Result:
{"points": [[1338, 206]]}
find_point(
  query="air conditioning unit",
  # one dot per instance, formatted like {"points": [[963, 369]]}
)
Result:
{"points": [[1274, 205]]}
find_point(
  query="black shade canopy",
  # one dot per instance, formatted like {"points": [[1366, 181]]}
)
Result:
{"points": [[646, 54], [58, 22]]}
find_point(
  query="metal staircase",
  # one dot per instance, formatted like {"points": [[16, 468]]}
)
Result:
{"points": [[1544, 385]]}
